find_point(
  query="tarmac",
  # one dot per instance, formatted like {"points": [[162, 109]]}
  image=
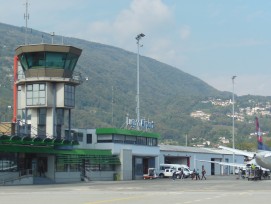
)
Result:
{"points": [[214, 190]]}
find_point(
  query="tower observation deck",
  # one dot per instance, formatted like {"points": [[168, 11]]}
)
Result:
{"points": [[46, 60], [45, 93]]}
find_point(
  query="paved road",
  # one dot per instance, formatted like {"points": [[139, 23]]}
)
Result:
{"points": [[214, 190]]}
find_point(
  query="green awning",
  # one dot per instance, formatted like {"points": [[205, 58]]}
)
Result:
{"points": [[51, 150], [73, 156], [4, 138], [15, 139]]}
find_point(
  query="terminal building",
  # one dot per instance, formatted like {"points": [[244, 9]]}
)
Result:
{"points": [[40, 146]]}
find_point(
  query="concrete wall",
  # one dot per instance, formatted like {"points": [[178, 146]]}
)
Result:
{"points": [[126, 160], [67, 177], [51, 167], [137, 150], [101, 175], [22, 98], [83, 144], [60, 95]]}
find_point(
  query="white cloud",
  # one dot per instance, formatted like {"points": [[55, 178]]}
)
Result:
{"points": [[147, 16], [165, 51]]}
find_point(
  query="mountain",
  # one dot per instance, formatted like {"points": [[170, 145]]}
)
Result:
{"points": [[108, 93]]}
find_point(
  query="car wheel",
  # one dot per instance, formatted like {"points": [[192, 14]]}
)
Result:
{"points": [[161, 175]]}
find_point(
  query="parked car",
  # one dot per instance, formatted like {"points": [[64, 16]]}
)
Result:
{"points": [[186, 171], [166, 173]]}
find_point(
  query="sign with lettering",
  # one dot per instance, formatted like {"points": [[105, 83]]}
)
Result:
{"points": [[143, 124]]}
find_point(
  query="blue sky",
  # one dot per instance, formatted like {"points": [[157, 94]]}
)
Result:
{"points": [[210, 39]]}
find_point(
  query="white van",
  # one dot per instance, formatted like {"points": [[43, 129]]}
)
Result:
{"points": [[186, 171], [166, 170]]}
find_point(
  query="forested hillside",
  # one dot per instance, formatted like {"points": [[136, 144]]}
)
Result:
{"points": [[108, 92]]}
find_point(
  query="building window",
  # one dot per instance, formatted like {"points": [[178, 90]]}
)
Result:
{"points": [[69, 98], [119, 138], [80, 136], [61, 167], [104, 138], [59, 121], [35, 94], [42, 122], [8, 162], [154, 142], [58, 131], [74, 167], [76, 136], [130, 139], [89, 138], [141, 141]]}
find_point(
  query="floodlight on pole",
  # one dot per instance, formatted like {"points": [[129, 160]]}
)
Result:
{"points": [[138, 37], [233, 118]]}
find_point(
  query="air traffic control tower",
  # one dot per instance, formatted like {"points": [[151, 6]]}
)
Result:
{"points": [[45, 93]]}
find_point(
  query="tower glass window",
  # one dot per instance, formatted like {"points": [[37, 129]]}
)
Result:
{"points": [[42, 112], [69, 98], [55, 60], [71, 61], [35, 94], [59, 121], [35, 59]]}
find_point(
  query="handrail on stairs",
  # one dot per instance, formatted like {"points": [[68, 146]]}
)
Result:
{"points": [[12, 176]]}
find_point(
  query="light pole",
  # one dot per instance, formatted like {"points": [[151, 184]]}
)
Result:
{"points": [[26, 17], [233, 116], [138, 37]]}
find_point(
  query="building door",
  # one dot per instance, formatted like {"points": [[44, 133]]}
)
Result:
{"points": [[212, 167], [41, 166], [27, 163], [145, 165]]}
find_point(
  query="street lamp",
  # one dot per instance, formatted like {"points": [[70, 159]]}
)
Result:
{"points": [[233, 116], [138, 37]]}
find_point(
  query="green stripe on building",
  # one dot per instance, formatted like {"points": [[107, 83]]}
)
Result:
{"points": [[107, 131]]}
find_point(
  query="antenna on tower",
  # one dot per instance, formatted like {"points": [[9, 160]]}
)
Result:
{"points": [[26, 17]]}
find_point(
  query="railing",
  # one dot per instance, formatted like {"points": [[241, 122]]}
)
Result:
{"points": [[12, 176]]}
